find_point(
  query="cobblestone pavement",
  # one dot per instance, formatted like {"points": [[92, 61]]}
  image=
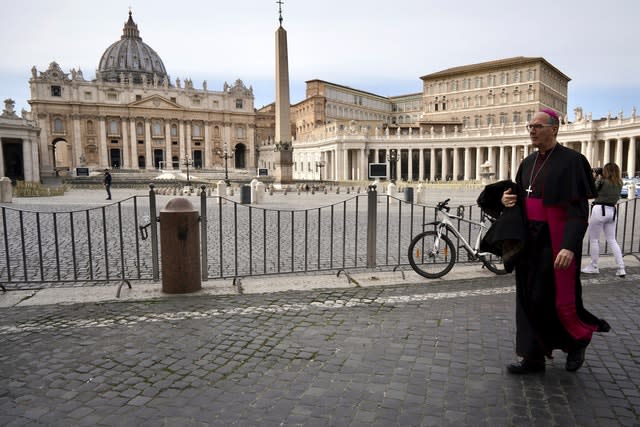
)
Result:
{"points": [[404, 355]]}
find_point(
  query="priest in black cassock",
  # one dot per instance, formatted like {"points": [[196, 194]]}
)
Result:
{"points": [[555, 184]]}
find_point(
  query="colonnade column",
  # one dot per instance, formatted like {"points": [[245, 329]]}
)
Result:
{"points": [[399, 166], [619, 152], [491, 160], [420, 164], [501, 166], [514, 162], [206, 148], [364, 163], [409, 164], [631, 157], [606, 158], [467, 163], [456, 164], [181, 140], [445, 164], [478, 161], [432, 165], [591, 152]]}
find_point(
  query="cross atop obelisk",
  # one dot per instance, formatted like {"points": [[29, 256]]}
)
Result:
{"points": [[280, 3]]}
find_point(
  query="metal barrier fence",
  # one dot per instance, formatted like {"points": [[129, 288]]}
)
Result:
{"points": [[119, 242]]}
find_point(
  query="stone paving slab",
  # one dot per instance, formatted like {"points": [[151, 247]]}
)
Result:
{"points": [[393, 355]]}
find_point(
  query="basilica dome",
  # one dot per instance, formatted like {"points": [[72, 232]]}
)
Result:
{"points": [[131, 58]]}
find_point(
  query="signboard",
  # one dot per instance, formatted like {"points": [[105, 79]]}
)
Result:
{"points": [[82, 171], [378, 170], [263, 172]]}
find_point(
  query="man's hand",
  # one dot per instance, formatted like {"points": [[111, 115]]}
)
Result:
{"points": [[563, 259], [509, 199]]}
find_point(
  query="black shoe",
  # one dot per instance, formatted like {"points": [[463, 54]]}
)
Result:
{"points": [[526, 366], [575, 358]]}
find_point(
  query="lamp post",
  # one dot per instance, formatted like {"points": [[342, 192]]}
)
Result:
{"points": [[224, 154], [187, 161], [393, 158], [319, 165]]}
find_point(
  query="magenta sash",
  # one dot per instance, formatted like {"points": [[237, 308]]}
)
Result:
{"points": [[565, 279]]}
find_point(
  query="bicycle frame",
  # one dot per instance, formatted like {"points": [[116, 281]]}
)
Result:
{"points": [[445, 223]]}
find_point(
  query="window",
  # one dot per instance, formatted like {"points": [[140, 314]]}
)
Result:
{"points": [[58, 125], [112, 96], [531, 75], [174, 130], [90, 127], [478, 82], [503, 119], [516, 76], [240, 132], [196, 130], [87, 95], [113, 127], [490, 120], [140, 142], [478, 121], [56, 90], [138, 97], [156, 128], [196, 101], [504, 79], [114, 141], [173, 99], [139, 129], [239, 103], [516, 117]]}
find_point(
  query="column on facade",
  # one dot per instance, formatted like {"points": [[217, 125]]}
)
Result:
{"points": [[467, 164], [147, 145], [631, 157], [376, 155], [525, 151], [77, 141], [126, 140], [445, 164], [182, 143], [250, 152], [45, 147], [420, 164], [364, 160], [103, 152], [168, 160], [456, 163], [432, 165], [133, 153], [187, 145], [619, 144], [478, 161], [346, 163], [399, 166], [206, 147]]}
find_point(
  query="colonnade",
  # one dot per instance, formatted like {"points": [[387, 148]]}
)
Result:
{"points": [[419, 160]]}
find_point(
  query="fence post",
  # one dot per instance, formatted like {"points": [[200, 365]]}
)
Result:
{"points": [[153, 219], [372, 225], [203, 234]]}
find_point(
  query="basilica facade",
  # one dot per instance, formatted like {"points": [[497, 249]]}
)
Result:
{"points": [[133, 116]]}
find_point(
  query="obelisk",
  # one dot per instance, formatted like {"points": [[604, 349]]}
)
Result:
{"points": [[283, 150]]}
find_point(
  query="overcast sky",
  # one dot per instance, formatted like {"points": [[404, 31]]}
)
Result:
{"points": [[377, 46]]}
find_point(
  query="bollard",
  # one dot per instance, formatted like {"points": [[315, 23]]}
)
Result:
{"points": [[6, 191], [245, 194], [408, 194], [180, 243]]}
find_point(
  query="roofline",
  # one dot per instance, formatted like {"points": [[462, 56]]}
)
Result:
{"points": [[489, 65], [346, 87]]}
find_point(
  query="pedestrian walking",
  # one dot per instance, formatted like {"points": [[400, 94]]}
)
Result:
{"points": [[107, 183], [603, 218], [549, 310]]}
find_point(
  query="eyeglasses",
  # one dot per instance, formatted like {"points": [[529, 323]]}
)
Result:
{"points": [[537, 127]]}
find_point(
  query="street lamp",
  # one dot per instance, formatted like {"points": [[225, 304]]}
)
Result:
{"points": [[226, 156], [187, 162], [393, 158], [319, 165]]}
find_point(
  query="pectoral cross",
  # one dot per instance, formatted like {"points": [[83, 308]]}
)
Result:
{"points": [[529, 190]]}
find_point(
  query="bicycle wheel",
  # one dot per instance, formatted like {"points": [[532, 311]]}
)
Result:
{"points": [[494, 264], [430, 256]]}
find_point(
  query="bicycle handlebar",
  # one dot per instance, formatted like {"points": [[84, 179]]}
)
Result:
{"points": [[442, 206]]}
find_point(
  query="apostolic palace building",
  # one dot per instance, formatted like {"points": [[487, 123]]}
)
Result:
{"points": [[134, 117]]}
